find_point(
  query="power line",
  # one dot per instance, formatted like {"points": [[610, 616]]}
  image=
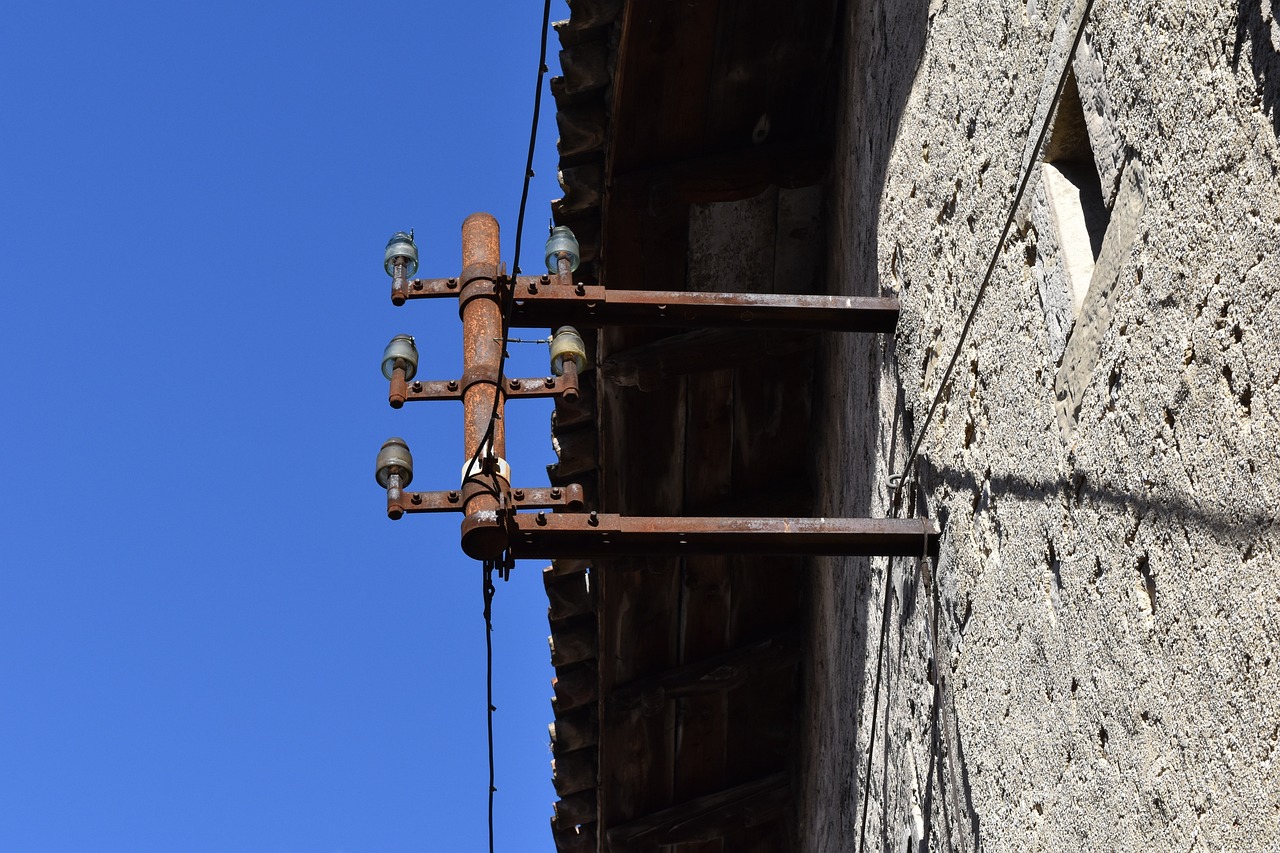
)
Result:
{"points": [[504, 566], [898, 480]]}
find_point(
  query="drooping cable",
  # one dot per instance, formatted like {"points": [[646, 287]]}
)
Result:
{"points": [[488, 682], [899, 479]]}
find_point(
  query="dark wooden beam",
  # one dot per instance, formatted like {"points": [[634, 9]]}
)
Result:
{"points": [[575, 686], [574, 643], [572, 772], [568, 596], [702, 351], [709, 817], [728, 175], [713, 674], [574, 730]]}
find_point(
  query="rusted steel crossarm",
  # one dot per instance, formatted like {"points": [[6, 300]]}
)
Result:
{"points": [[431, 288], [594, 306], [553, 497], [451, 389], [547, 535]]}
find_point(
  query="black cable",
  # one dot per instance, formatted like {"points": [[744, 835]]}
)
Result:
{"points": [[898, 480], [533, 131], [488, 647]]}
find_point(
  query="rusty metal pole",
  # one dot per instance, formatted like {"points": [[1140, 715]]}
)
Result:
{"points": [[480, 305]]}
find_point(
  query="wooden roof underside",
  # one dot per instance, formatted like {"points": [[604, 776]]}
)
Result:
{"points": [[694, 139]]}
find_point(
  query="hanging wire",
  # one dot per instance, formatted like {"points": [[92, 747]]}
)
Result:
{"points": [[897, 481], [488, 682]]}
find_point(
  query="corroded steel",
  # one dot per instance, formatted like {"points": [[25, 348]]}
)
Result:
{"points": [[451, 389], [554, 535], [539, 303], [481, 312], [554, 497]]}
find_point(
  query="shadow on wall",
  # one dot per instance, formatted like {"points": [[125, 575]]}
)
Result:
{"points": [[882, 45], [1262, 31], [1081, 489]]}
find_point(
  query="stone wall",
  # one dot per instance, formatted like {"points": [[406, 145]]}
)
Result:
{"points": [[1092, 662]]}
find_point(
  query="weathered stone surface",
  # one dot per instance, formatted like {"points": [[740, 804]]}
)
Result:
{"points": [[1107, 606]]}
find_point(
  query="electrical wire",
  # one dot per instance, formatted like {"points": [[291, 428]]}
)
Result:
{"points": [[899, 480], [507, 298], [488, 683]]}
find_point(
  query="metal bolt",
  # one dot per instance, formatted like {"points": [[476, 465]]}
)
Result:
{"points": [[533, 288], [417, 387], [515, 384], [550, 381], [518, 494], [451, 283], [555, 493], [453, 497], [542, 519], [453, 385], [417, 497], [417, 285], [593, 518], [581, 289]]}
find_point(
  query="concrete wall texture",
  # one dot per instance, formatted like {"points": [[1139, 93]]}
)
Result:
{"points": [[1092, 664]]}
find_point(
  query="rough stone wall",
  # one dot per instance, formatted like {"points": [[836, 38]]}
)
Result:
{"points": [[1104, 618]]}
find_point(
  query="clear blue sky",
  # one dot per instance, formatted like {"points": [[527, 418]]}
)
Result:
{"points": [[211, 637]]}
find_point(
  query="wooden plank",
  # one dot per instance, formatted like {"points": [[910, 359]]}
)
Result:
{"points": [[574, 643], [662, 81], [714, 674], [573, 772], [575, 686], [708, 817], [568, 595], [575, 729], [575, 809]]}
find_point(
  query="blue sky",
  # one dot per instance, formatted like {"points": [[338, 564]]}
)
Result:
{"points": [[211, 637]]}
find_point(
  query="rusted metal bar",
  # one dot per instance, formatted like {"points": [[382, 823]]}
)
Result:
{"points": [[479, 303], [439, 389], [428, 288], [554, 535], [539, 303], [554, 497], [398, 391]]}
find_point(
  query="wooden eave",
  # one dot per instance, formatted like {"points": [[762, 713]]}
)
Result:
{"points": [[676, 729]]}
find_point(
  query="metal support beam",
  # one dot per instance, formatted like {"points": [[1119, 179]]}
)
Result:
{"points": [[539, 303], [451, 389], [546, 535], [554, 497]]}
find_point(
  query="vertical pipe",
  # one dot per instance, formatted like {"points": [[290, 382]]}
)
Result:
{"points": [[481, 309]]}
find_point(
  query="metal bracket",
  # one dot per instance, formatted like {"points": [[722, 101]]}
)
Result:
{"points": [[555, 497], [537, 303], [545, 535], [451, 389]]}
